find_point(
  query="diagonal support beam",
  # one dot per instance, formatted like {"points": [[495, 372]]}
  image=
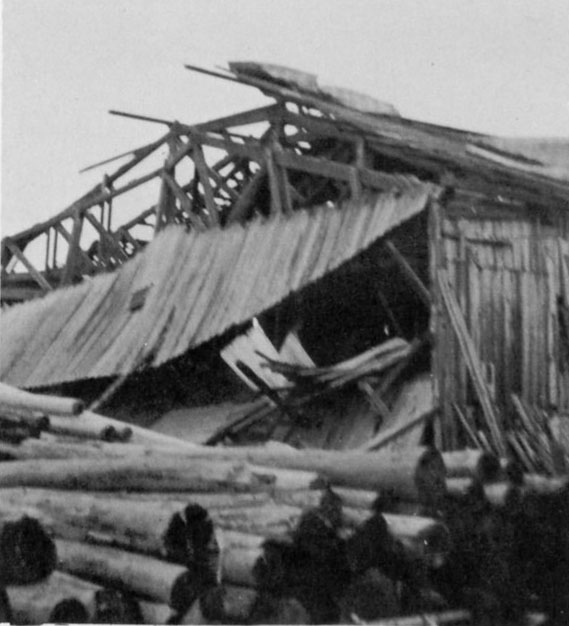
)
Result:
{"points": [[409, 273], [40, 280], [241, 208], [114, 246], [202, 170], [185, 202]]}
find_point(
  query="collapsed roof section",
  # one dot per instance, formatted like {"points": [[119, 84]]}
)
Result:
{"points": [[187, 288], [314, 144]]}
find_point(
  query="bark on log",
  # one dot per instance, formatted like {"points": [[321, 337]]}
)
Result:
{"points": [[14, 398], [356, 498], [36, 423], [271, 520], [83, 427], [207, 500], [140, 435], [65, 598], [180, 534], [455, 618], [500, 494], [424, 536], [135, 573], [228, 604], [193, 615], [245, 559], [240, 554], [172, 473], [51, 446], [478, 464], [27, 553], [542, 484], [155, 613], [413, 473]]}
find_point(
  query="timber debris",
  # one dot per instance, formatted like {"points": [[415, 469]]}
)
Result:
{"points": [[148, 533], [349, 332]]}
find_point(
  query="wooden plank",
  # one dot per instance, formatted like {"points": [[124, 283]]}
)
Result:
{"points": [[435, 321], [462, 285], [552, 334], [40, 280], [383, 438], [472, 360]]}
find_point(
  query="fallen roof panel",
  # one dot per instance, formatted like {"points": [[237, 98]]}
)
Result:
{"points": [[198, 285]]}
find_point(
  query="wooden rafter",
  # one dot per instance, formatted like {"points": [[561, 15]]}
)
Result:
{"points": [[71, 264], [202, 171]]}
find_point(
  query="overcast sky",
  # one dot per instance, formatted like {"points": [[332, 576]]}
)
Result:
{"points": [[489, 66]]}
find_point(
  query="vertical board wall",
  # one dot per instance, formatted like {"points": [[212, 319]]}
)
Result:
{"points": [[507, 274]]}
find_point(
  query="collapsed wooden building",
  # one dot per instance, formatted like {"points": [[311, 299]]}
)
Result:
{"points": [[319, 272]]}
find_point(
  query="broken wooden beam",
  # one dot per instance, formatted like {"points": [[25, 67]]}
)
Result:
{"points": [[409, 274]]}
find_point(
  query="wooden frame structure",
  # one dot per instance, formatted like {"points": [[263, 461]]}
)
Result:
{"points": [[302, 150]]}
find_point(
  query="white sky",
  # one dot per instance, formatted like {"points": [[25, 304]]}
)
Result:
{"points": [[490, 66]]}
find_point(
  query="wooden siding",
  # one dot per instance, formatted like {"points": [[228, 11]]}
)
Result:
{"points": [[506, 275]]}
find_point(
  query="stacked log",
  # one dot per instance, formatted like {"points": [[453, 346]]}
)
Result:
{"points": [[151, 532], [64, 598]]}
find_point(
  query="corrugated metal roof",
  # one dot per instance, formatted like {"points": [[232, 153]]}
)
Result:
{"points": [[199, 285]]}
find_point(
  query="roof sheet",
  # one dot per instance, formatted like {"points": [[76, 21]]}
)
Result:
{"points": [[199, 285], [449, 147]]}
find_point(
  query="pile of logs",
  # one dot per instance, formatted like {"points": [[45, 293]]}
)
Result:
{"points": [[159, 531]]}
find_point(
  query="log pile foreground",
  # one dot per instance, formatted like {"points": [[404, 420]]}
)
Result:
{"points": [[144, 532]]}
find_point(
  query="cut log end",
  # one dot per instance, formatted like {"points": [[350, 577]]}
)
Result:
{"points": [[69, 611], [430, 477], [184, 592], [5, 609], [27, 553], [190, 540], [114, 607]]}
